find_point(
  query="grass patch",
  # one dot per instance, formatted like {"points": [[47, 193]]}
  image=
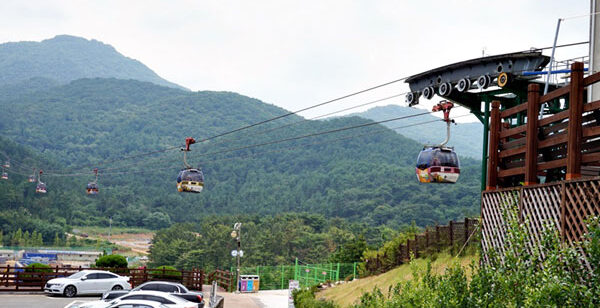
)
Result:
{"points": [[95, 230], [347, 294]]}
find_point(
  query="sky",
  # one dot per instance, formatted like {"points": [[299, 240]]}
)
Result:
{"points": [[295, 54]]}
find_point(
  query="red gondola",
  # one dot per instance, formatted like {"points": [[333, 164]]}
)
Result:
{"points": [[438, 163], [41, 186], [92, 187]]}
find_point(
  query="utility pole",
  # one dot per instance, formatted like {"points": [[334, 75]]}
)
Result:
{"points": [[237, 234], [109, 228]]}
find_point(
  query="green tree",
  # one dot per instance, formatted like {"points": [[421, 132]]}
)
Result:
{"points": [[57, 241], [25, 239], [157, 220], [192, 259], [72, 241], [17, 238], [115, 261]]}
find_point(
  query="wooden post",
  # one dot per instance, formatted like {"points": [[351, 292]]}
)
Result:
{"points": [[416, 248], [563, 212], [437, 237], [575, 119], [531, 153], [492, 172], [466, 229], [426, 238], [451, 233], [145, 274], [7, 273]]}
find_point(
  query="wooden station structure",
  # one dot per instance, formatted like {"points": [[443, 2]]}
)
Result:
{"points": [[544, 164]]}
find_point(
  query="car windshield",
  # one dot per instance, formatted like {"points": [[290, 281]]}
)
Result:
{"points": [[77, 275]]}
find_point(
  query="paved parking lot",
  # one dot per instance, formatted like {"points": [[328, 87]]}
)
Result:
{"points": [[262, 299], [41, 300]]}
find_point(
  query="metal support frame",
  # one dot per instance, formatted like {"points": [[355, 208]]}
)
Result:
{"points": [[484, 150]]}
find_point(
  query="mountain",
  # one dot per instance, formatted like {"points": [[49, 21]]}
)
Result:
{"points": [[465, 137], [65, 58], [366, 177]]}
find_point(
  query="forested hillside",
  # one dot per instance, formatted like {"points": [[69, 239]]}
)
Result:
{"points": [[466, 137], [21, 208], [65, 58], [98, 122]]}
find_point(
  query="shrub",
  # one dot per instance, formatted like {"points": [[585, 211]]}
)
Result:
{"points": [[516, 277], [305, 298], [113, 261], [38, 268], [169, 272]]}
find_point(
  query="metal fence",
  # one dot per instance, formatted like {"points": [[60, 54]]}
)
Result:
{"points": [[278, 276]]}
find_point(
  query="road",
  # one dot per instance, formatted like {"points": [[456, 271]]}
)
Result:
{"points": [[41, 300], [262, 299]]}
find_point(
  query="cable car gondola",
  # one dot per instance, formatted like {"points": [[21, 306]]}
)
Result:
{"points": [[41, 186], [189, 179], [31, 178], [5, 175], [92, 187], [6, 164], [438, 163]]}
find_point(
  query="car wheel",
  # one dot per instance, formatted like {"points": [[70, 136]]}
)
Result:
{"points": [[117, 287], [70, 291]]}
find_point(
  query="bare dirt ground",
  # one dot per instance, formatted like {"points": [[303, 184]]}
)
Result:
{"points": [[137, 242]]}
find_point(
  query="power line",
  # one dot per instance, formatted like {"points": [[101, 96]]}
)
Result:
{"points": [[379, 131], [301, 110], [560, 46], [317, 117], [315, 134]]}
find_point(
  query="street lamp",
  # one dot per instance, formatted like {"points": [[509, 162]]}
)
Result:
{"points": [[237, 234]]}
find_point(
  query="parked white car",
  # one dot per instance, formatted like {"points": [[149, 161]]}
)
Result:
{"points": [[87, 282], [167, 299], [138, 304]]}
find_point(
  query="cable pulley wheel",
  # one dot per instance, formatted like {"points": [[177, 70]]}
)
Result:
{"points": [[503, 79]]}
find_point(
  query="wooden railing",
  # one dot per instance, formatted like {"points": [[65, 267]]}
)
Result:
{"points": [[225, 279], [27, 279], [555, 146], [456, 233]]}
